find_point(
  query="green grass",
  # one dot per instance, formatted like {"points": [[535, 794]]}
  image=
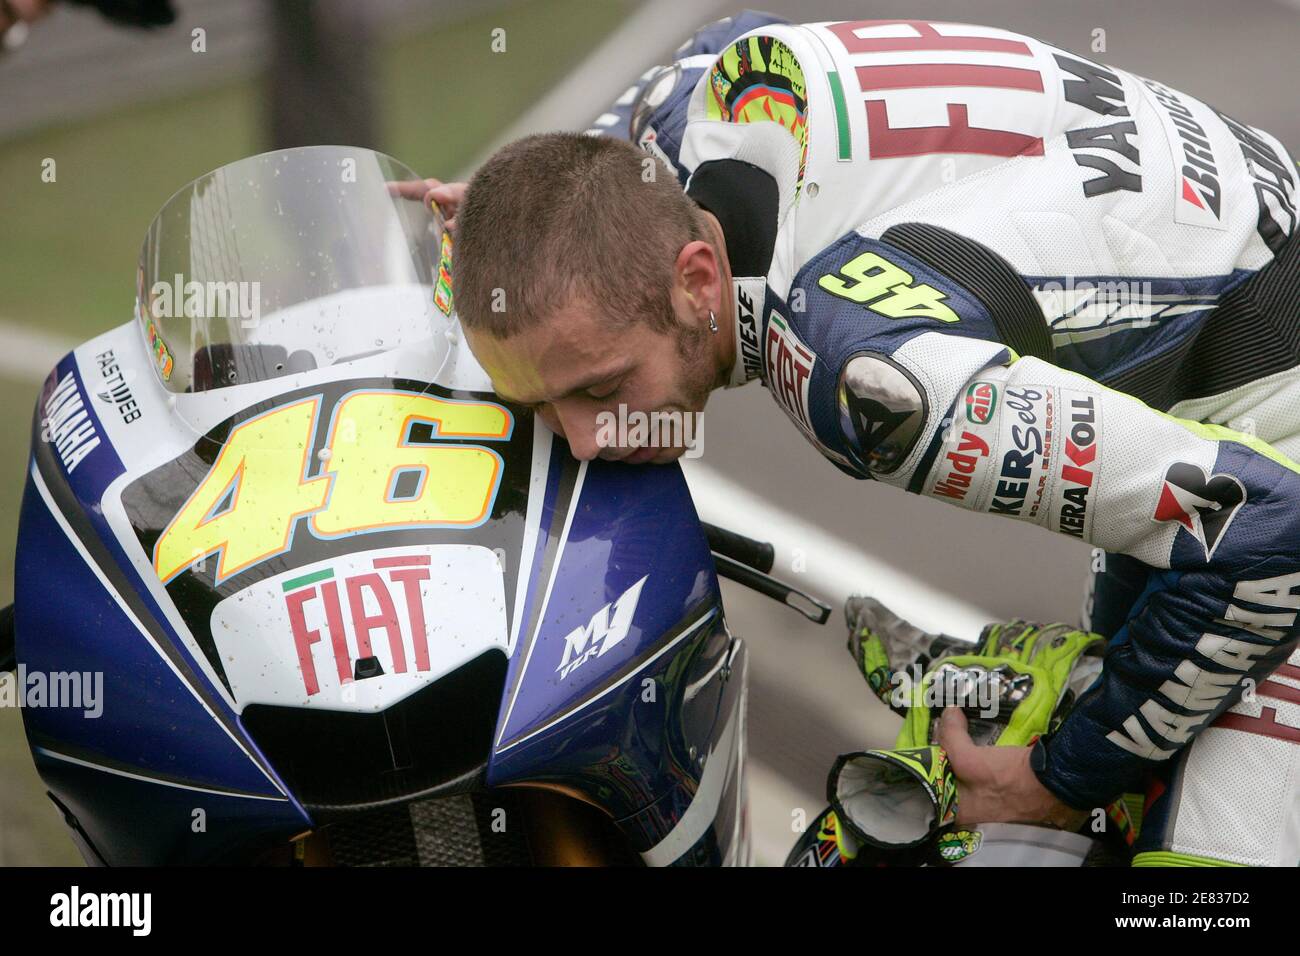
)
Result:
{"points": [[68, 248]]}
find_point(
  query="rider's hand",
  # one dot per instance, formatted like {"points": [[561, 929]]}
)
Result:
{"points": [[996, 784], [448, 196], [21, 11]]}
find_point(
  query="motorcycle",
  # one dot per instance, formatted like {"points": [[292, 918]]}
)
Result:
{"points": [[294, 586]]}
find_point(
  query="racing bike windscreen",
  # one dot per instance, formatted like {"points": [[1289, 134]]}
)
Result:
{"points": [[287, 262]]}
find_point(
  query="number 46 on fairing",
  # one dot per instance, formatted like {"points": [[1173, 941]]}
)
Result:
{"points": [[374, 477]]}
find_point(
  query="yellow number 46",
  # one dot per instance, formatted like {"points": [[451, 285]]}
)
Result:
{"points": [[883, 287], [374, 477]]}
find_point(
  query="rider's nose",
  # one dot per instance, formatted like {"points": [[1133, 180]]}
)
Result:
{"points": [[578, 430]]}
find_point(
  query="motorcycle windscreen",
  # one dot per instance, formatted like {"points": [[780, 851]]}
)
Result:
{"points": [[342, 545], [287, 262]]}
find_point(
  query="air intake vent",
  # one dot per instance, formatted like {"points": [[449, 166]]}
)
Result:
{"points": [[436, 741]]}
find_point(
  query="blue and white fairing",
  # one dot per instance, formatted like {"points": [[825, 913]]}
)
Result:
{"points": [[563, 628]]}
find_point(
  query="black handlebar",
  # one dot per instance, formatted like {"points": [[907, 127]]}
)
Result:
{"points": [[749, 562], [758, 555]]}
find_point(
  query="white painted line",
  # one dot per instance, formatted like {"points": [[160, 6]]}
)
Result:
{"points": [[28, 354], [575, 102], [145, 778], [833, 569], [546, 600], [772, 805]]}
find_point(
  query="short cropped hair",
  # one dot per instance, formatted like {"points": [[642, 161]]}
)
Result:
{"points": [[555, 217]]}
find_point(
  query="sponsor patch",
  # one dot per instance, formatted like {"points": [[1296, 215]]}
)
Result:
{"points": [[981, 399], [1204, 505], [962, 468], [361, 631], [162, 355], [1274, 181], [116, 390], [882, 411], [1198, 197], [442, 290], [1078, 464], [1026, 449], [1200, 689], [789, 370], [749, 363]]}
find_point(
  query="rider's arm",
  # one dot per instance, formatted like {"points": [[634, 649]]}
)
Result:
{"points": [[928, 400]]}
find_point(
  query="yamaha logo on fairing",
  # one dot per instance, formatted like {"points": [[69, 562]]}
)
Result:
{"points": [[604, 631], [68, 424]]}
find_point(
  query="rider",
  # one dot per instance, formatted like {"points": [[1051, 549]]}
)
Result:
{"points": [[983, 269]]}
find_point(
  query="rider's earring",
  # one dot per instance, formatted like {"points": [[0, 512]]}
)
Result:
{"points": [[713, 322]]}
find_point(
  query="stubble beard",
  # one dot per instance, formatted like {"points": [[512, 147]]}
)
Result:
{"points": [[696, 378]]}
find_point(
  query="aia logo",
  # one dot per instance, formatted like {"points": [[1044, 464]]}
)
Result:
{"points": [[980, 400], [1203, 504], [604, 631], [358, 607]]}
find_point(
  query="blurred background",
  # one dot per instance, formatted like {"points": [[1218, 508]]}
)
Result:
{"points": [[129, 115]]}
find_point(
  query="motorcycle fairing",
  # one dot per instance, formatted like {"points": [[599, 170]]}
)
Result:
{"points": [[580, 536], [199, 591]]}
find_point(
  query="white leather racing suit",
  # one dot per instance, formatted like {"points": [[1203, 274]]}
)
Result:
{"points": [[1000, 274]]}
